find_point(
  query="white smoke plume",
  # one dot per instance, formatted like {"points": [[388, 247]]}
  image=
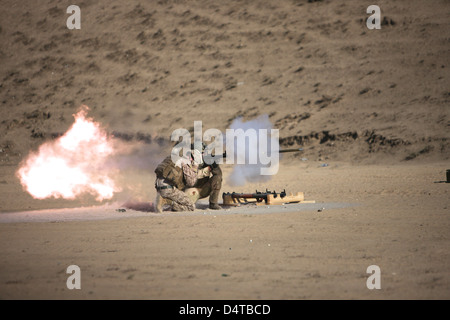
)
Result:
{"points": [[260, 149]]}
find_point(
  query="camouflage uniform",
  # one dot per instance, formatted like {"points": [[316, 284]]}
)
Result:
{"points": [[183, 183], [177, 198], [169, 184], [209, 179], [210, 186]]}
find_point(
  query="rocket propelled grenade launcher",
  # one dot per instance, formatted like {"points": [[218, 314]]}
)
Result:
{"points": [[262, 198], [290, 150], [224, 155]]}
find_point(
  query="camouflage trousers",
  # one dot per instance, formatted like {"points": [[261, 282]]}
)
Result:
{"points": [[184, 200], [210, 187], [178, 199]]}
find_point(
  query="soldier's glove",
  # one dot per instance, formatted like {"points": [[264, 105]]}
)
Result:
{"points": [[204, 172]]}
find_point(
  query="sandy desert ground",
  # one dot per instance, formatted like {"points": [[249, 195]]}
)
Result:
{"points": [[370, 108]]}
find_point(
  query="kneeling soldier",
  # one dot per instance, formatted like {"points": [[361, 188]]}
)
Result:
{"points": [[182, 183]]}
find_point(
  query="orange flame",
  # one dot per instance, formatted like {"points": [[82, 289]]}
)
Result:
{"points": [[71, 165]]}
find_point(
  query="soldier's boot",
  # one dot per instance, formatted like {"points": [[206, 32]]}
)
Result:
{"points": [[214, 206], [216, 185], [213, 194], [214, 199]]}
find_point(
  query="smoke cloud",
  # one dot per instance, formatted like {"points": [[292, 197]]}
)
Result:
{"points": [[88, 160], [255, 155]]}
